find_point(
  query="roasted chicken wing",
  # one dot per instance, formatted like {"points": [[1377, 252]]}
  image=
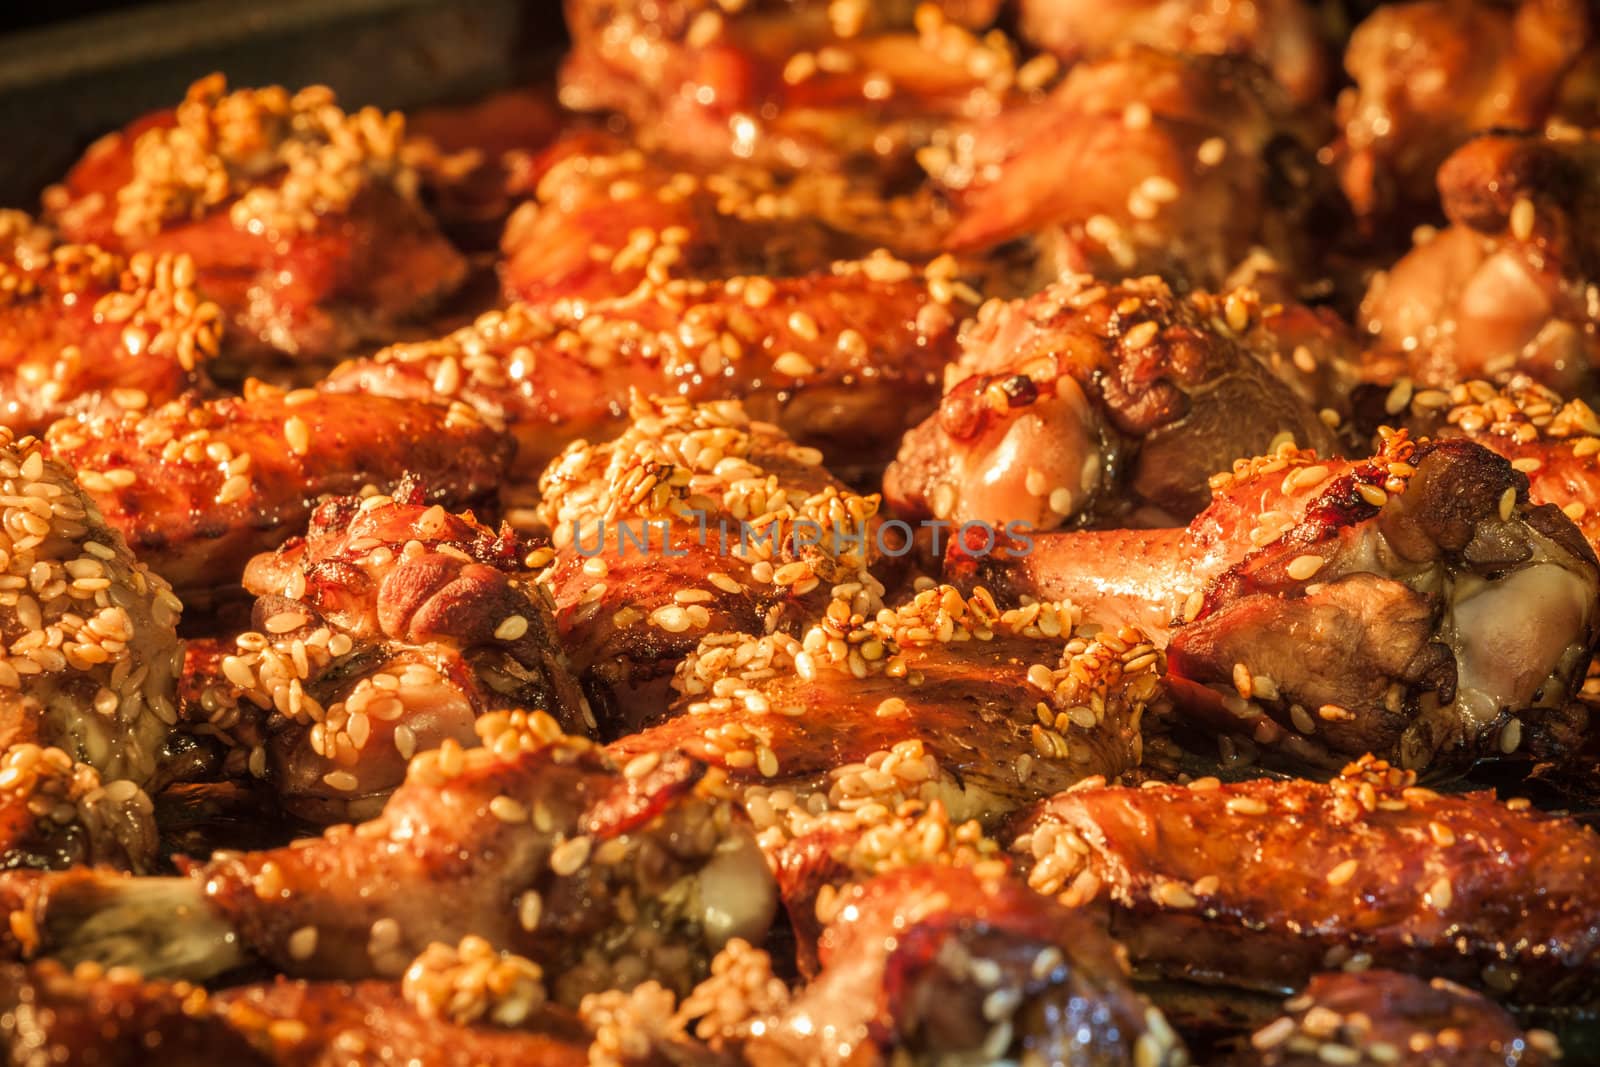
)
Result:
{"points": [[199, 486], [301, 220]]}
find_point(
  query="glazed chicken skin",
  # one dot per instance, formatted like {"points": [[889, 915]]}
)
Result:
{"points": [[1507, 288], [539, 843], [199, 486], [1377, 1016], [391, 626], [1415, 605], [1090, 402], [944, 697], [1430, 73], [813, 85], [844, 360], [1263, 883], [1140, 163], [457, 1007], [696, 520], [938, 965], [84, 331], [301, 220], [1283, 35]]}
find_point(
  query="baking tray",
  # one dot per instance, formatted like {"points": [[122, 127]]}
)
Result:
{"points": [[63, 85]]}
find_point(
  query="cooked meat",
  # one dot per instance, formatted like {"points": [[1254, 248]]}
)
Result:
{"points": [[696, 520], [943, 697], [797, 85], [301, 220], [391, 626], [845, 360], [535, 843], [199, 486], [1382, 1017], [940, 965], [83, 331], [1284, 35], [1416, 605], [89, 652], [1263, 883], [1509, 286], [1141, 162], [1429, 73], [1087, 402]]}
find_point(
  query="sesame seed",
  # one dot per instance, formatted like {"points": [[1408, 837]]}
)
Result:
{"points": [[793, 365], [303, 943], [1212, 151], [567, 857], [511, 628], [297, 434], [1522, 218], [1440, 894], [508, 809], [1372, 494], [1303, 567], [1141, 334], [1343, 872]]}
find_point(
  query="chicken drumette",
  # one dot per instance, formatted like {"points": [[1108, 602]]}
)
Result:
{"points": [[1430, 73], [1416, 604], [535, 842], [1383, 1017], [301, 220], [84, 331], [1262, 884], [844, 360], [1510, 286], [1090, 402], [696, 520], [199, 486], [944, 697], [942, 965], [390, 627], [1141, 162]]}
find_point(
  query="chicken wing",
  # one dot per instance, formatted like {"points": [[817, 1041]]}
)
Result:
{"points": [[845, 360], [199, 486], [696, 520], [1138, 163], [942, 965], [1283, 35], [84, 331], [538, 843], [1386, 1017], [1430, 73], [1416, 605], [89, 652], [301, 220], [1090, 402], [390, 627], [943, 697], [812, 85], [1263, 883], [1509, 287]]}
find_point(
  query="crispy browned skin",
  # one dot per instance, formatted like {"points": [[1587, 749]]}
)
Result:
{"points": [[1089, 402], [1284, 35], [695, 520], [790, 85], [83, 331], [1431, 73], [199, 486], [935, 961], [1141, 162], [943, 697], [1508, 287], [1417, 605], [535, 843], [1383, 1017], [1261, 884], [89, 1019], [844, 360], [391, 626], [305, 266]]}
